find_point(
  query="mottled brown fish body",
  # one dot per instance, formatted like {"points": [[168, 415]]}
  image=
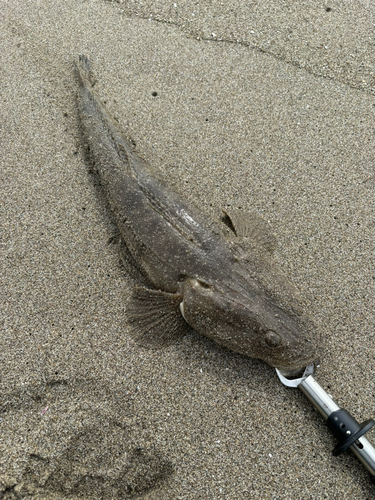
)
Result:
{"points": [[222, 282]]}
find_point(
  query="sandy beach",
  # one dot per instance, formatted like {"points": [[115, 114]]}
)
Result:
{"points": [[268, 107]]}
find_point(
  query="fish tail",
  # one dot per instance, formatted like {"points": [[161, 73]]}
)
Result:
{"points": [[103, 133], [84, 63], [83, 68]]}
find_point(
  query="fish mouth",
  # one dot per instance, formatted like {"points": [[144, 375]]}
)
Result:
{"points": [[297, 363], [292, 373], [287, 371]]}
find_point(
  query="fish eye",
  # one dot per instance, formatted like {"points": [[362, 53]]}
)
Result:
{"points": [[272, 339], [203, 284]]}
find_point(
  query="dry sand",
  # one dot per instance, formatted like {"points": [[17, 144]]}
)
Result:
{"points": [[265, 105]]}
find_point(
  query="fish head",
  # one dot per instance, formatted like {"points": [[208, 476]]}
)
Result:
{"points": [[250, 323]]}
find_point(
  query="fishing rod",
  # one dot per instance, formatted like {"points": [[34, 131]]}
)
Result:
{"points": [[346, 429]]}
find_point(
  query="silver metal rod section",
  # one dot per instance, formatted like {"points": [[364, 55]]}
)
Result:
{"points": [[323, 402], [318, 396], [365, 452]]}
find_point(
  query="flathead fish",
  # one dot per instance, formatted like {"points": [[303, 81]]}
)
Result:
{"points": [[218, 277]]}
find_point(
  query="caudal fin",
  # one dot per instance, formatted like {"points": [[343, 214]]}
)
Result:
{"points": [[85, 76]]}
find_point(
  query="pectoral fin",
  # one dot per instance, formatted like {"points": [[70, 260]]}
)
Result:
{"points": [[155, 317], [251, 227]]}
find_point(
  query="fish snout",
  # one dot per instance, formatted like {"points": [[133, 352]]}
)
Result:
{"points": [[295, 358]]}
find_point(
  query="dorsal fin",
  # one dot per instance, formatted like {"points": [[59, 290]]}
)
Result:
{"points": [[250, 226]]}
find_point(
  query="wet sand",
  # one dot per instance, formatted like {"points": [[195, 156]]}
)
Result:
{"points": [[268, 108]]}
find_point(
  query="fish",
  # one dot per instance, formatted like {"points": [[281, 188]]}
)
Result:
{"points": [[218, 277]]}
